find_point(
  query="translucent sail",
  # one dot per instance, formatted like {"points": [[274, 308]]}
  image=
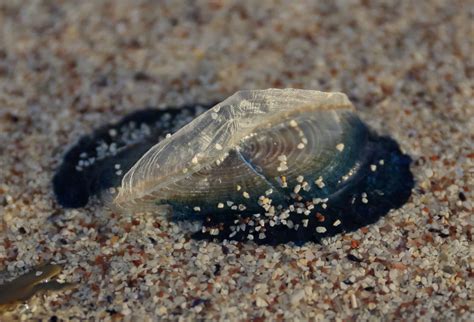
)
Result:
{"points": [[209, 139]]}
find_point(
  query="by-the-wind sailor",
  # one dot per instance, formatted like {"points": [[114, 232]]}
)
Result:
{"points": [[272, 166]]}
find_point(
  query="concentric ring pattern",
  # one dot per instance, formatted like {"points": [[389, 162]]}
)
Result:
{"points": [[254, 144]]}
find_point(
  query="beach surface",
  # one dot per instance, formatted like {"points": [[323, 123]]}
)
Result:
{"points": [[67, 68]]}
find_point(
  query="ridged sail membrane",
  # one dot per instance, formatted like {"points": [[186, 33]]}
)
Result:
{"points": [[246, 146]]}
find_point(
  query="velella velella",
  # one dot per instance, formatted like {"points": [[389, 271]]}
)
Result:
{"points": [[271, 166]]}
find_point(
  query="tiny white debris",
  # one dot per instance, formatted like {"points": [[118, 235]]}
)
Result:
{"points": [[321, 229], [353, 301], [293, 123], [117, 166], [238, 187], [373, 167], [197, 208], [264, 200], [39, 273], [282, 157], [194, 160], [300, 146], [112, 132], [382, 162], [119, 172], [229, 203], [340, 147], [319, 182], [336, 223], [305, 222], [220, 205], [300, 179], [324, 206], [297, 188], [168, 135], [365, 200], [269, 192], [245, 194], [306, 186], [250, 237], [218, 146], [214, 115]]}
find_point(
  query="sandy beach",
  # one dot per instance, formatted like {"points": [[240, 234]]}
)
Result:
{"points": [[69, 67]]}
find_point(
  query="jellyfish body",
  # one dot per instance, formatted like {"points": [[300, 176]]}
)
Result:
{"points": [[272, 166]]}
